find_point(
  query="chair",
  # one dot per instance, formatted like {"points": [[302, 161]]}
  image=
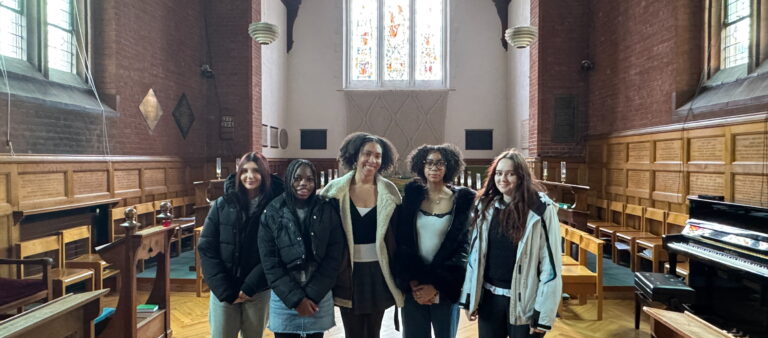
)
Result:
{"points": [[631, 221], [626, 240], [650, 247], [614, 217], [675, 224], [25, 291], [61, 276], [84, 258], [579, 280]]}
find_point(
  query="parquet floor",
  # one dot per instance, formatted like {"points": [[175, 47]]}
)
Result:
{"points": [[189, 318]]}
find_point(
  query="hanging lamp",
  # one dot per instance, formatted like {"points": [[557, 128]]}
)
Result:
{"points": [[263, 32], [521, 36]]}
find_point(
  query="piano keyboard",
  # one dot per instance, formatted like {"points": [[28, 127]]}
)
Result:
{"points": [[734, 261]]}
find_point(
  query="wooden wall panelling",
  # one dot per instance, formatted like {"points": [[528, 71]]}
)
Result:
{"points": [[728, 160]]}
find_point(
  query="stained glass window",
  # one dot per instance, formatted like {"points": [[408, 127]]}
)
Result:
{"points": [[395, 43], [363, 39], [735, 34], [429, 44], [12, 29], [61, 36]]}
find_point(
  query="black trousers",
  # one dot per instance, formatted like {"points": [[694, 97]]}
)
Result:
{"points": [[493, 319], [296, 335], [361, 325]]}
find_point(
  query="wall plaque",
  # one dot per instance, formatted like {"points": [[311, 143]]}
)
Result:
{"points": [[638, 179], [175, 176], [708, 149], [668, 181], [90, 182], [154, 178], [595, 178], [564, 119], [126, 180], [750, 189], [615, 177], [706, 184], [750, 148], [669, 151], [640, 152], [41, 186], [617, 153]]}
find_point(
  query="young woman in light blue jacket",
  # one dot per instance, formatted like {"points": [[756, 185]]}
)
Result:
{"points": [[513, 284]]}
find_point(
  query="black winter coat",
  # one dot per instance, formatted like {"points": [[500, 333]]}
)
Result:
{"points": [[447, 269], [284, 251], [228, 246]]}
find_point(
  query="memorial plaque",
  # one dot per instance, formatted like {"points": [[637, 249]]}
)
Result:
{"points": [[708, 149], [750, 189], [175, 176], [750, 148], [615, 177], [668, 181], [706, 184], [90, 182], [595, 178], [617, 153], [638, 179], [154, 178], [595, 153], [640, 152], [34, 187], [3, 188], [564, 119], [126, 180], [669, 151]]}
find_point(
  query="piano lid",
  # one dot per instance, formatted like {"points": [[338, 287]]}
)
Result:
{"points": [[748, 217]]}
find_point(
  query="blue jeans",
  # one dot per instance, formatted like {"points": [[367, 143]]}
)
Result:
{"points": [[248, 318], [419, 320]]}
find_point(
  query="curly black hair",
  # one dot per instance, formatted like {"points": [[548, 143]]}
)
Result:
{"points": [[454, 162], [353, 143]]}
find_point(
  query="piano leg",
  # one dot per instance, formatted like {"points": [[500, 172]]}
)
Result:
{"points": [[673, 264], [637, 310]]}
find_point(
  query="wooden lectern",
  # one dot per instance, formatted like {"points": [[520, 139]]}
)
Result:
{"points": [[124, 254]]}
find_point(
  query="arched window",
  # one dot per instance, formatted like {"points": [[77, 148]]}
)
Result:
{"points": [[395, 43]]}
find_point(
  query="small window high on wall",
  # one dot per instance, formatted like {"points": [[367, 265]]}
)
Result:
{"points": [[395, 43]]}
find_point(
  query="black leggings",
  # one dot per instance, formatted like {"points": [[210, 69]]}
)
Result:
{"points": [[493, 319], [296, 335], [361, 325]]}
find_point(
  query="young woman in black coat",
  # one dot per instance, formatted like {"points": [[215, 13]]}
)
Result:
{"points": [[432, 242], [229, 252], [301, 244]]}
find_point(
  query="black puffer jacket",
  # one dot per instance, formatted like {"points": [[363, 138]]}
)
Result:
{"points": [[284, 251], [446, 272], [228, 247]]}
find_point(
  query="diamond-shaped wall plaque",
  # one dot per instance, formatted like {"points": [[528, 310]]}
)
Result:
{"points": [[183, 115], [151, 109]]}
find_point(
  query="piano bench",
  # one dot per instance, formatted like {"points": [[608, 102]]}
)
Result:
{"points": [[663, 288]]}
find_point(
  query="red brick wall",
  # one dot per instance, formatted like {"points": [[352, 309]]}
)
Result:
{"points": [[143, 44]]}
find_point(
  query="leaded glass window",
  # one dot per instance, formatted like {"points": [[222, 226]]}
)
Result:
{"points": [[61, 36], [395, 43], [12, 29], [735, 34]]}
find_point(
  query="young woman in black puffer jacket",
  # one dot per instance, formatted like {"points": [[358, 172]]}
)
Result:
{"points": [[229, 252], [432, 242], [302, 245]]}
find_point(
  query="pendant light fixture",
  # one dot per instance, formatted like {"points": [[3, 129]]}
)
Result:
{"points": [[263, 32], [521, 36]]}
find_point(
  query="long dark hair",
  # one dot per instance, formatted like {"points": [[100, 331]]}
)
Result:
{"points": [[515, 216], [265, 187], [294, 166]]}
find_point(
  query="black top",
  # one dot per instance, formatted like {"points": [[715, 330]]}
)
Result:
{"points": [[501, 257], [364, 227]]}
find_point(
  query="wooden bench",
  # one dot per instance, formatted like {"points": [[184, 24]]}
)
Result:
{"points": [[571, 238], [61, 276], [84, 258], [579, 280], [70, 316], [26, 291]]}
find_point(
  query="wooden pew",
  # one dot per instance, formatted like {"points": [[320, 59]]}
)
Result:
{"points": [[28, 291], [579, 280], [70, 316], [125, 253], [186, 224]]}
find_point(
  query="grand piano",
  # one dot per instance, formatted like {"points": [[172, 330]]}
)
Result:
{"points": [[727, 247]]}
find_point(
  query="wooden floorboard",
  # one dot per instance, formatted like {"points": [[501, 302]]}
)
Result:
{"points": [[189, 318]]}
